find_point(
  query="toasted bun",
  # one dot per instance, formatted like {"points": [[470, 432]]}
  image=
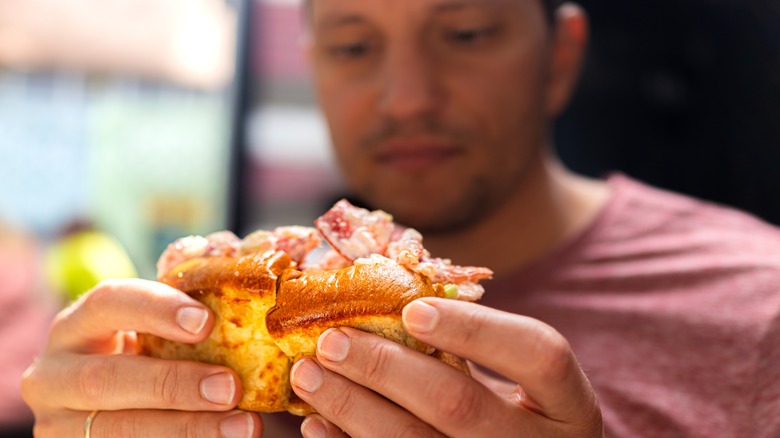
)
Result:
{"points": [[239, 339], [368, 296], [269, 314], [271, 301]]}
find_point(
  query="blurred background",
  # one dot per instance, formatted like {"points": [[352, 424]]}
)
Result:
{"points": [[684, 95], [129, 123]]}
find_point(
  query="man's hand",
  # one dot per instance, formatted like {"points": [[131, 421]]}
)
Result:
{"points": [[90, 364], [363, 385]]}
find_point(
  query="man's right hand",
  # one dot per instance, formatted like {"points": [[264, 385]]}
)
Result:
{"points": [[90, 363]]}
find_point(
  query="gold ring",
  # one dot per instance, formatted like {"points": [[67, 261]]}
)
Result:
{"points": [[88, 423]]}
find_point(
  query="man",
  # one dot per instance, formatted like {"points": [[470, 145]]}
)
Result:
{"points": [[440, 113]]}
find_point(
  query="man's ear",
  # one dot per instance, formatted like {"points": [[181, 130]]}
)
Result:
{"points": [[570, 38]]}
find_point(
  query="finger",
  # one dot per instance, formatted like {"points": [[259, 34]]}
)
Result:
{"points": [[353, 408], [437, 393], [152, 423], [129, 305], [316, 426], [129, 343], [520, 348], [113, 382]]}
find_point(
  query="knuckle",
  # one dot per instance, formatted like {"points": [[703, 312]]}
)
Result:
{"points": [[166, 383], [473, 324], [96, 380], [91, 302], [343, 407], [30, 384], [553, 354], [59, 319], [417, 430], [106, 292], [458, 403], [192, 427], [378, 361], [130, 426], [94, 300]]}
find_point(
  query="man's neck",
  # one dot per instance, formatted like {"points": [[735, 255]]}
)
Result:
{"points": [[550, 205]]}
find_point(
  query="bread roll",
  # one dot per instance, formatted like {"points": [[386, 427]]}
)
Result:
{"points": [[269, 314], [271, 302]]}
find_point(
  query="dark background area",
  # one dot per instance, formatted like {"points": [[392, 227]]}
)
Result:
{"points": [[683, 95]]}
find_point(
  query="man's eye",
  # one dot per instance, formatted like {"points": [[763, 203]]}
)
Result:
{"points": [[351, 51], [471, 36]]}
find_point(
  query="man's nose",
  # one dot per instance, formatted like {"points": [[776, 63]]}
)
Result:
{"points": [[411, 85]]}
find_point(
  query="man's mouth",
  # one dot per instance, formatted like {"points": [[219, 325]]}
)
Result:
{"points": [[415, 156]]}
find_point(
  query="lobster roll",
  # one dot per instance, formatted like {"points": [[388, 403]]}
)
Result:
{"points": [[274, 292]]}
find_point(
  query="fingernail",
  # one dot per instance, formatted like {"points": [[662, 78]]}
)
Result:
{"points": [[192, 319], [313, 428], [420, 317], [239, 425], [333, 345], [307, 375], [218, 388]]}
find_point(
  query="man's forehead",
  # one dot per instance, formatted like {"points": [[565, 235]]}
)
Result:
{"points": [[431, 5], [335, 12]]}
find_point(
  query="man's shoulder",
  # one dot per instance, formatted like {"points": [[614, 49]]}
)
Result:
{"points": [[644, 211], [646, 238]]}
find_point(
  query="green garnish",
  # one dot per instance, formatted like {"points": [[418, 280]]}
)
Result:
{"points": [[451, 291]]}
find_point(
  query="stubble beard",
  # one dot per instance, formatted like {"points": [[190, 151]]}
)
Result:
{"points": [[438, 217], [474, 203], [419, 205], [434, 213]]}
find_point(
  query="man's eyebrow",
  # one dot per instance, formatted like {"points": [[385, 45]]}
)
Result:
{"points": [[345, 19], [338, 20], [447, 6]]}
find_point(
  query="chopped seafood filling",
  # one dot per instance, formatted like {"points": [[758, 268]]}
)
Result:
{"points": [[355, 235]]}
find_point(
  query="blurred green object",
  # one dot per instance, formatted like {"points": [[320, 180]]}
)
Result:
{"points": [[78, 262]]}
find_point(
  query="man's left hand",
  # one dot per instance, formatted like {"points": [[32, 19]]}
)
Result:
{"points": [[363, 385]]}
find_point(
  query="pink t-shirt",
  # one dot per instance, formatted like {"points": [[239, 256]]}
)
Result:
{"points": [[672, 306]]}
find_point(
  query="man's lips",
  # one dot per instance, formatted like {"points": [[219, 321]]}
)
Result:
{"points": [[415, 156]]}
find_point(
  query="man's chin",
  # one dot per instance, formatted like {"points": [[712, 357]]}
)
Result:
{"points": [[431, 217]]}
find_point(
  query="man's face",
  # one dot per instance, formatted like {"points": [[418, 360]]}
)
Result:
{"points": [[436, 108]]}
